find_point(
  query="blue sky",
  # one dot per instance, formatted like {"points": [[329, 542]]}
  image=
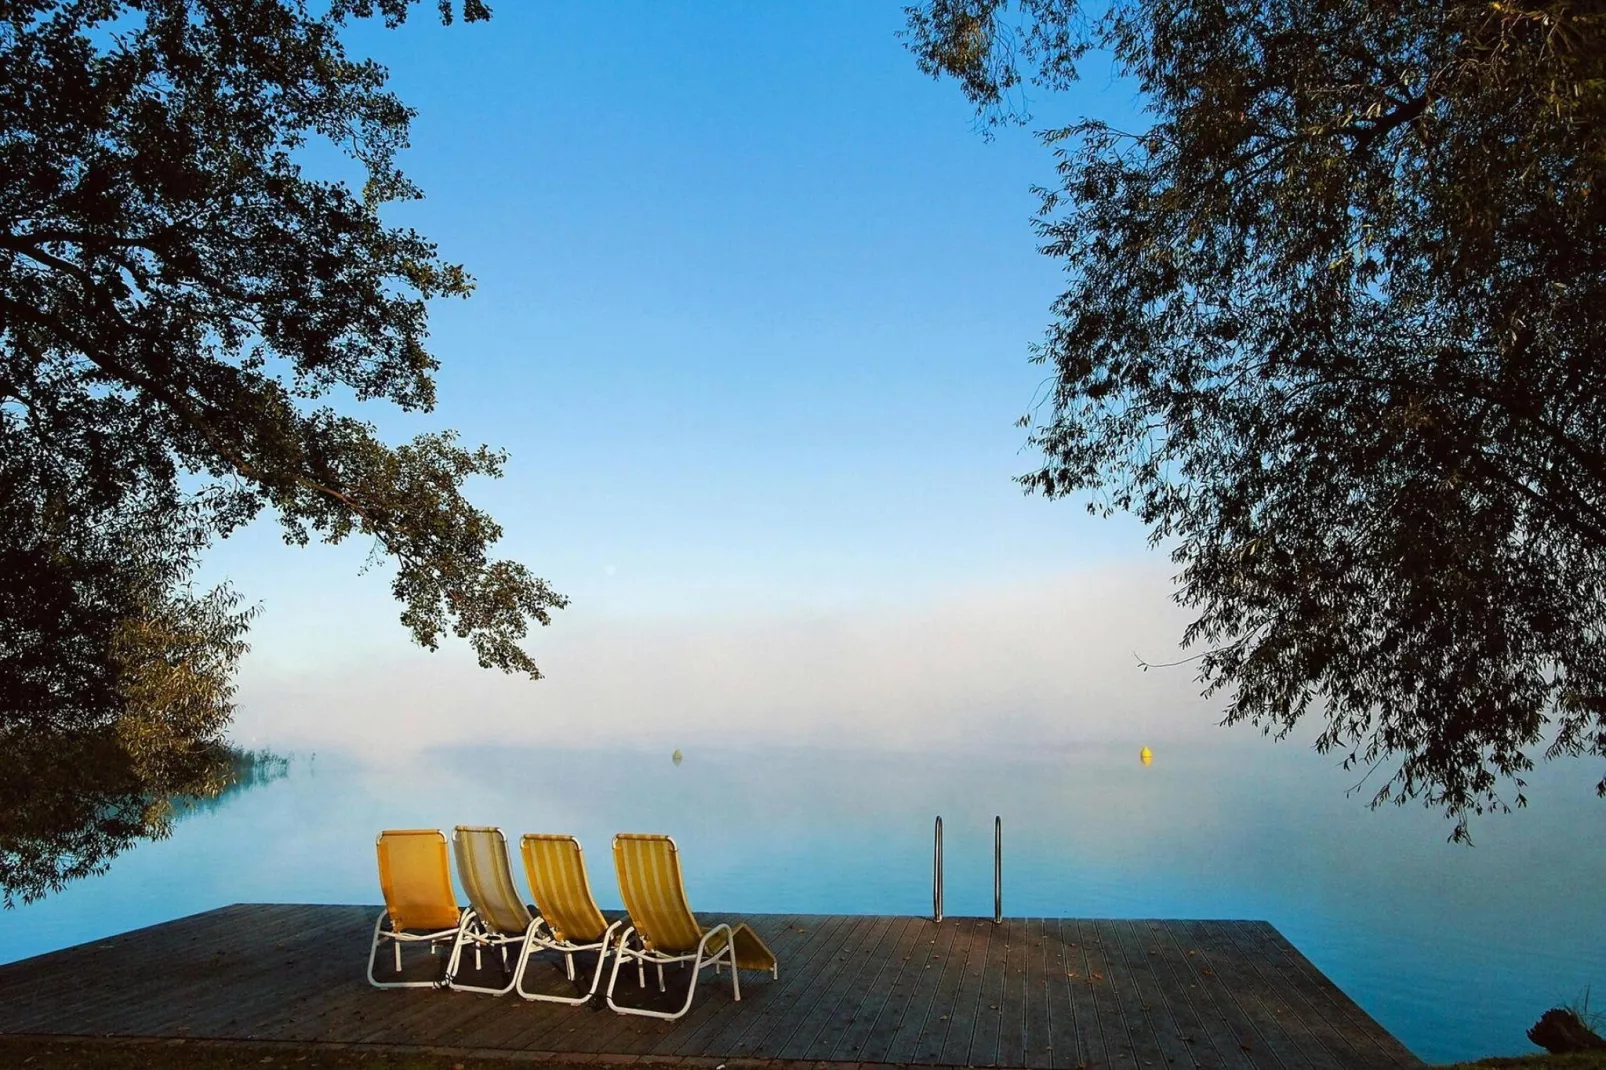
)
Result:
{"points": [[753, 310]]}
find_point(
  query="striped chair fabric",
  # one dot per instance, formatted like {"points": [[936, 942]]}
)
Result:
{"points": [[654, 894], [555, 867], [482, 866]]}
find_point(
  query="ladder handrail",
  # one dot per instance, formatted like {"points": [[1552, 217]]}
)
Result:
{"points": [[998, 870]]}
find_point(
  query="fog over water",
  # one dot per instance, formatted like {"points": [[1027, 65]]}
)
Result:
{"points": [[817, 748], [1455, 950], [1050, 661]]}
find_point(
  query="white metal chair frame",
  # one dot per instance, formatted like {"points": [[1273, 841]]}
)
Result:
{"points": [[475, 933], [643, 955], [542, 940], [478, 933], [399, 937]]}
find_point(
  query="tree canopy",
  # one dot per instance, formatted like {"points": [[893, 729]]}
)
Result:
{"points": [[1332, 329], [180, 304]]}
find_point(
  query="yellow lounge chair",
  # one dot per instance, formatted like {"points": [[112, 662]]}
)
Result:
{"points": [[497, 917], [570, 920], [665, 930], [419, 903]]}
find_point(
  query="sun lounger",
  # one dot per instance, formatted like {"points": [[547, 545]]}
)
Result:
{"points": [[570, 920], [497, 917], [663, 929], [419, 904]]}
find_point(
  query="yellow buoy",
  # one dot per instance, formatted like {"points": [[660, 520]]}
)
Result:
{"points": [[676, 757], [1146, 756]]}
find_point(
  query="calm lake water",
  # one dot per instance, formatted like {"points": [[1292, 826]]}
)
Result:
{"points": [[1456, 950]]}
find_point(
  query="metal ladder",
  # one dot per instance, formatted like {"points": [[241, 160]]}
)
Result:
{"points": [[998, 870]]}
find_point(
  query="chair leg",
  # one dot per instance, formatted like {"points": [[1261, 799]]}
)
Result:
{"points": [[602, 955], [691, 986], [486, 937], [526, 949], [456, 958], [373, 949], [613, 977]]}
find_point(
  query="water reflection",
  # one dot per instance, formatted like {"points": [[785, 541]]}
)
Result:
{"points": [[1455, 950], [72, 802], [247, 769]]}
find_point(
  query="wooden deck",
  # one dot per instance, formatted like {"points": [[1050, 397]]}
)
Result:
{"points": [[1032, 992]]}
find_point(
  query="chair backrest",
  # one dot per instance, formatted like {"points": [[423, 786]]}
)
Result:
{"points": [[487, 879], [556, 870], [654, 895], [415, 879]]}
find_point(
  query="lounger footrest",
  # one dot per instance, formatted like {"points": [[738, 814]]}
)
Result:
{"points": [[751, 952]]}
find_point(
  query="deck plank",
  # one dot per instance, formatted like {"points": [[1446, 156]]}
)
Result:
{"points": [[1037, 1047], [969, 938], [808, 1036], [1239, 1009], [819, 996], [1153, 987], [92, 982], [1006, 1044], [1203, 1028], [1045, 993], [1316, 1035], [1073, 1026], [1139, 1046], [968, 1010], [272, 971], [905, 1040], [1098, 1035], [878, 998]]}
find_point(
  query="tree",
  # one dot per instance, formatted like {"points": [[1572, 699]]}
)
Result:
{"points": [[1333, 331], [176, 296]]}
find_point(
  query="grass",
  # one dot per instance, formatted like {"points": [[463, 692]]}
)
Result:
{"points": [[1578, 1060], [1595, 1021], [119, 1053]]}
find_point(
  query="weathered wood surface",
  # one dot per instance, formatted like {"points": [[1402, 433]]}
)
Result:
{"points": [[1033, 992]]}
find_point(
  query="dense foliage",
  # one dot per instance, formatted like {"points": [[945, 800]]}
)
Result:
{"points": [[1333, 330], [176, 298]]}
